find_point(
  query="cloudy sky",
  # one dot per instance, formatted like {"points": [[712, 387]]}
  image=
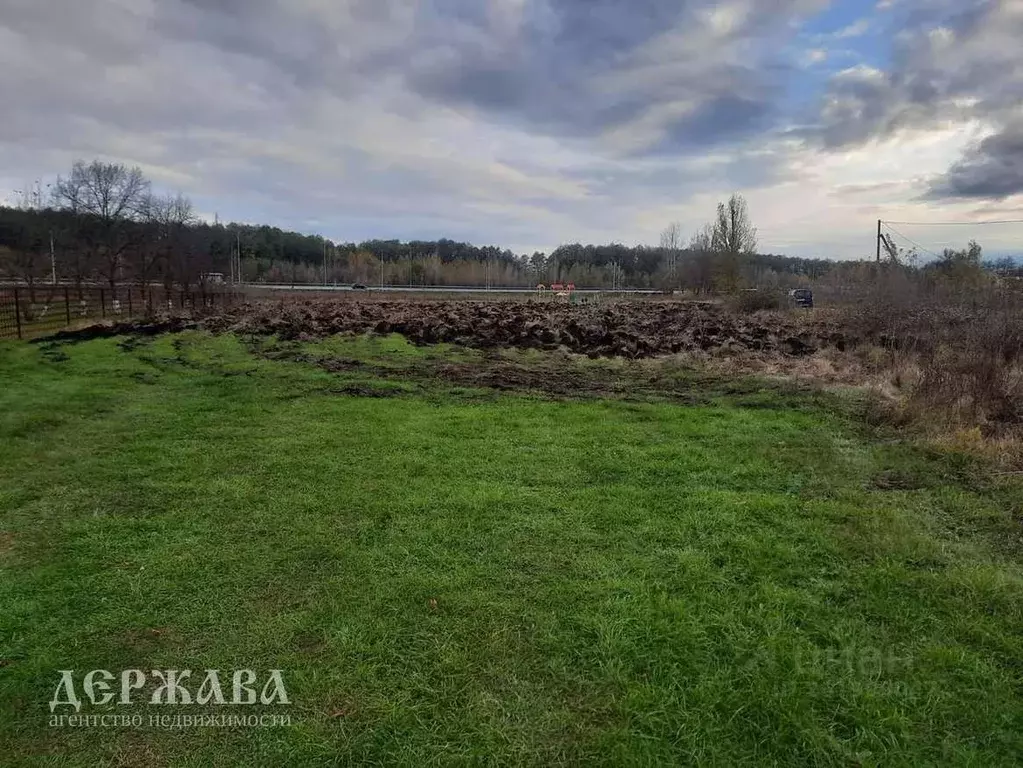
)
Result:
{"points": [[528, 123]]}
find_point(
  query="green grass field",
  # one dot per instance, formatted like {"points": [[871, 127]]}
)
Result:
{"points": [[701, 573]]}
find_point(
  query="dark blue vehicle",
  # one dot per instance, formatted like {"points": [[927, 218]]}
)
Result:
{"points": [[803, 297]]}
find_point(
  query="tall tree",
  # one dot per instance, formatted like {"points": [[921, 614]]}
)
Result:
{"points": [[185, 263], [671, 245], [734, 238], [107, 199]]}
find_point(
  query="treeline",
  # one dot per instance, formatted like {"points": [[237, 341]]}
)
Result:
{"points": [[103, 223], [955, 276], [689, 268]]}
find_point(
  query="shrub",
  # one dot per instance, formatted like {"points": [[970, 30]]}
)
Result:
{"points": [[974, 370], [950, 363]]}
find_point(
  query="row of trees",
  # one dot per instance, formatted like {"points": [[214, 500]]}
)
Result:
{"points": [[103, 223]]}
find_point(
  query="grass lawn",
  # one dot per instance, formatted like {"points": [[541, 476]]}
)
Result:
{"points": [[450, 575]]}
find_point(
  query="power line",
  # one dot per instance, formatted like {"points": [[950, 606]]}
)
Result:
{"points": [[910, 240], [952, 223]]}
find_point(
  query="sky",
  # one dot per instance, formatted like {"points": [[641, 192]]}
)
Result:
{"points": [[531, 123]]}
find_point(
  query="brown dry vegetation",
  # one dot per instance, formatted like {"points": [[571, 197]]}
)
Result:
{"points": [[945, 353]]}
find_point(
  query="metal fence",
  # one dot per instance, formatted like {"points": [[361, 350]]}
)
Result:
{"points": [[27, 313]]}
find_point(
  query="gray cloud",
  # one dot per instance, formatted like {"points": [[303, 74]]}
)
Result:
{"points": [[948, 61], [992, 170], [286, 105], [580, 67], [560, 67], [520, 121], [952, 62]]}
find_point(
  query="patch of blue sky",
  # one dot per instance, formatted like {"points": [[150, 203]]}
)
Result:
{"points": [[846, 34]]}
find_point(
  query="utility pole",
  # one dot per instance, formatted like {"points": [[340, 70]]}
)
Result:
{"points": [[53, 262], [879, 241], [324, 261]]}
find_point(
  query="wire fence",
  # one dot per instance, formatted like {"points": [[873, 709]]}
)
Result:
{"points": [[30, 312]]}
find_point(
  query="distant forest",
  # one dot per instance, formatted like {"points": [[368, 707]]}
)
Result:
{"points": [[103, 224]]}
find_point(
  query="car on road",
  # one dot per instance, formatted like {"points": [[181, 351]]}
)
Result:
{"points": [[359, 287]]}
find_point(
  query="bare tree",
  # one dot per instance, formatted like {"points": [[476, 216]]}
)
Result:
{"points": [[177, 215], [149, 255], [698, 269], [671, 244], [734, 237], [107, 200], [702, 241]]}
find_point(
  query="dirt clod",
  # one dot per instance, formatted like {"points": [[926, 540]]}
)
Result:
{"points": [[629, 330]]}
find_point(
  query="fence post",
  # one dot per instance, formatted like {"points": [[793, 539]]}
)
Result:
{"points": [[129, 303], [67, 305], [102, 304], [17, 311]]}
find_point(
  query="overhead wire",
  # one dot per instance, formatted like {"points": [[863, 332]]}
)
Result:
{"points": [[911, 240], [952, 223]]}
